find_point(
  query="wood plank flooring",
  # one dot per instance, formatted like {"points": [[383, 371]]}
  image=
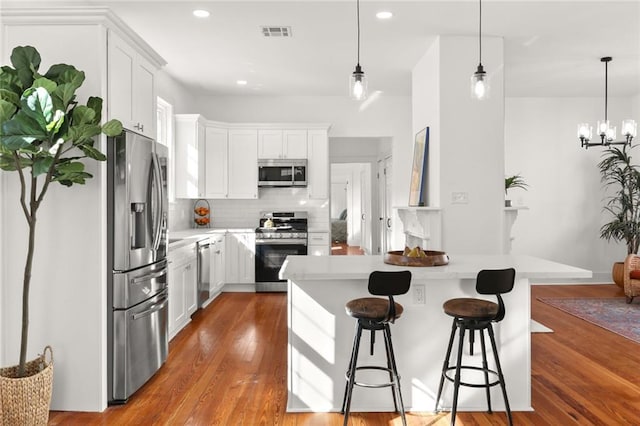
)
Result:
{"points": [[344, 249], [228, 367]]}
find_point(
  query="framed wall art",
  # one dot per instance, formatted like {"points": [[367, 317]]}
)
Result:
{"points": [[420, 169]]}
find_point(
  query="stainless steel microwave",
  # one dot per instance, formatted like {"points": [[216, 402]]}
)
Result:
{"points": [[282, 173]]}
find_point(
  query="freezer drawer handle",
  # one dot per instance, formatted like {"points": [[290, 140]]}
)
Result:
{"points": [[148, 277], [154, 308]]}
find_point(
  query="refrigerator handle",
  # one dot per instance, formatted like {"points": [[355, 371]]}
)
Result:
{"points": [[157, 177]]}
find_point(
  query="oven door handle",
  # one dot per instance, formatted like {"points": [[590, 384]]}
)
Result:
{"points": [[281, 242]]}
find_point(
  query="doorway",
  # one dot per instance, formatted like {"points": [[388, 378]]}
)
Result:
{"points": [[351, 209]]}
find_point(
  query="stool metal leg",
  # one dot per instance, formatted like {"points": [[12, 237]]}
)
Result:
{"points": [[391, 377], [485, 367], [353, 350], [456, 382], [387, 334], [500, 376], [445, 365], [346, 406]]}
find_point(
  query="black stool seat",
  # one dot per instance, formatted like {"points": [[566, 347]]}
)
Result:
{"points": [[471, 315], [375, 314], [371, 308], [469, 308]]}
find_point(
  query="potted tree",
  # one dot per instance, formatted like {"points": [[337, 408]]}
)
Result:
{"points": [[44, 136], [620, 176], [515, 181]]}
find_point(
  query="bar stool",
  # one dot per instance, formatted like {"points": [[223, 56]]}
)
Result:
{"points": [[477, 314], [375, 313]]}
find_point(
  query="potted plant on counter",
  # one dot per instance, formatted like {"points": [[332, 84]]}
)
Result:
{"points": [[622, 177], [44, 135], [515, 181]]}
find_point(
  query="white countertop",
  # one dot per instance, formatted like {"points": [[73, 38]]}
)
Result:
{"points": [[189, 236], [459, 267]]}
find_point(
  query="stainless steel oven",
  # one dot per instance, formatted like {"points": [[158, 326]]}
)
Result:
{"points": [[285, 234]]}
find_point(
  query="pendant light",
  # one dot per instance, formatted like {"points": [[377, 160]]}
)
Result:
{"points": [[605, 131], [358, 81], [479, 79]]}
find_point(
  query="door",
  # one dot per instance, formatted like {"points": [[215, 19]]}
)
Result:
{"points": [[243, 164], [131, 201], [271, 254], [384, 205], [142, 346]]}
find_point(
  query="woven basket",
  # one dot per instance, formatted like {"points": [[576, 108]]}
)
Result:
{"points": [[26, 400]]}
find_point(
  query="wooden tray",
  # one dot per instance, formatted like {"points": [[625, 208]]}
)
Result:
{"points": [[434, 258]]}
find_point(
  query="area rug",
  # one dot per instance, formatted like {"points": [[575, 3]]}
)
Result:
{"points": [[612, 314]]}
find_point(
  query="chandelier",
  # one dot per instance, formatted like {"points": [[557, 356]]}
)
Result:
{"points": [[605, 131], [479, 79]]}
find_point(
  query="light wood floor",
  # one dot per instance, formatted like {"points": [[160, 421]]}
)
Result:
{"points": [[228, 367], [344, 249]]}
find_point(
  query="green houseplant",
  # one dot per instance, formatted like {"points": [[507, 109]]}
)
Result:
{"points": [[515, 181], [622, 177], [44, 135]]}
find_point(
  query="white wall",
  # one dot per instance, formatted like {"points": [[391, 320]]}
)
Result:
{"points": [[68, 292], [466, 140], [565, 194]]}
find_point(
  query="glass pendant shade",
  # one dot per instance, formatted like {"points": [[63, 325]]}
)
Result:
{"points": [[629, 128], [480, 84], [358, 84], [585, 131]]}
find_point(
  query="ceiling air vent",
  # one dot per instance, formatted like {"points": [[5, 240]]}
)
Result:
{"points": [[276, 31]]}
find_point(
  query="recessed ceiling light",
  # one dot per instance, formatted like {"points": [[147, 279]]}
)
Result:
{"points": [[201, 13], [385, 14], [241, 82]]}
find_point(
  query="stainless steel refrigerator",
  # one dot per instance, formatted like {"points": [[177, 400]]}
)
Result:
{"points": [[137, 301]]}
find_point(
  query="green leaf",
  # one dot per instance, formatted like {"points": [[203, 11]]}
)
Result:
{"points": [[7, 109], [70, 167], [41, 165], [95, 103], [56, 123], [9, 96], [68, 179], [82, 133], [112, 128], [37, 104], [83, 115], [92, 152], [26, 61], [21, 131], [63, 96], [45, 83]]}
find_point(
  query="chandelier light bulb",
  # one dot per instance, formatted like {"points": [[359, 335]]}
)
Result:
{"points": [[603, 127], [611, 134], [585, 131], [480, 84], [629, 128], [358, 84]]}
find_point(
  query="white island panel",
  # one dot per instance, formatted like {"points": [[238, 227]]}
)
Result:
{"points": [[321, 333]]}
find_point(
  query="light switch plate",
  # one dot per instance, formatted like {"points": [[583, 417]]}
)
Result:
{"points": [[460, 197]]}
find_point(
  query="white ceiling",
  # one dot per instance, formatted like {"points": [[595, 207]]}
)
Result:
{"points": [[552, 48]]}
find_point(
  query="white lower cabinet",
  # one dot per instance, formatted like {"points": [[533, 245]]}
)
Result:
{"points": [[318, 244], [218, 266], [183, 282], [240, 257]]}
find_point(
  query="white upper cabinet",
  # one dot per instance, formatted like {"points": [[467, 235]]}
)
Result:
{"points": [[282, 144], [190, 154], [243, 163], [216, 170], [318, 169], [130, 85]]}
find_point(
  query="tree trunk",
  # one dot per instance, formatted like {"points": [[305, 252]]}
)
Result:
{"points": [[25, 295]]}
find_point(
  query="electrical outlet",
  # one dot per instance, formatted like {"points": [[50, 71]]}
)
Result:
{"points": [[460, 198], [418, 294]]}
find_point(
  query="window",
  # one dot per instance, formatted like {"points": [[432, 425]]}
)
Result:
{"points": [[164, 118]]}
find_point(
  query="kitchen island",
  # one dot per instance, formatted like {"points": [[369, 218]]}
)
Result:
{"points": [[320, 333]]}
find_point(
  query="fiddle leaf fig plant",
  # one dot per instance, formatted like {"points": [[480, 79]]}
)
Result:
{"points": [[44, 136]]}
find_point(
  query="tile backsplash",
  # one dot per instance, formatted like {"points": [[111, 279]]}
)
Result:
{"points": [[246, 213]]}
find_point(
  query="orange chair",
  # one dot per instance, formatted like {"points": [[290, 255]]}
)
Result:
{"points": [[631, 277]]}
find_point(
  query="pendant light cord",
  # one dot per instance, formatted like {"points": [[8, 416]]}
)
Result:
{"points": [[480, 32], [606, 91], [358, 20]]}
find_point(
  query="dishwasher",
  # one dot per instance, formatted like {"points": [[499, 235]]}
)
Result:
{"points": [[204, 271]]}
